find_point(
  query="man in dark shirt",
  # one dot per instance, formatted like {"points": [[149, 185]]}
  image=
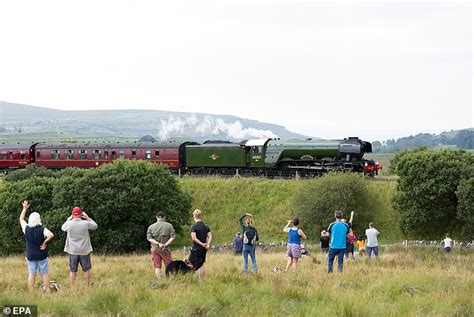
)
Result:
{"points": [[237, 244], [201, 236]]}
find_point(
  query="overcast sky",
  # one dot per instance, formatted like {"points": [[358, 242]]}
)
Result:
{"points": [[327, 69]]}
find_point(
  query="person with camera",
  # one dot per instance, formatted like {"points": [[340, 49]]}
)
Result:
{"points": [[160, 234], [294, 243], [78, 243], [250, 238]]}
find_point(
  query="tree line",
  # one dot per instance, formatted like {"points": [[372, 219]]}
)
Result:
{"points": [[463, 139]]}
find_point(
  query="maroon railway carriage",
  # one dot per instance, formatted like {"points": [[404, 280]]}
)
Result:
{"points": [[13, 156], [95, 154]]}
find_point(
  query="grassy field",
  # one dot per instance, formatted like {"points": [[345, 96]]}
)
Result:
{"points": [[418, 281]]}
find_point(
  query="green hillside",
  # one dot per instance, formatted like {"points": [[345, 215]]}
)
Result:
{"points": [[270, 201]]}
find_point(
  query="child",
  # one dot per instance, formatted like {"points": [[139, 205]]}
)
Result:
{"points": [[361, 246]]}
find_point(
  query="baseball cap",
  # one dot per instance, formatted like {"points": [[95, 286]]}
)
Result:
{"points": [[76, 211]]}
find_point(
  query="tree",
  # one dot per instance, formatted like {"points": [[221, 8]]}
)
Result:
{"points": [[147, 138], [426, 198], [317, 200], [465, 194]]}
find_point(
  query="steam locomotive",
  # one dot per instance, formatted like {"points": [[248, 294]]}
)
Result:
{"points": [[257, 157]]}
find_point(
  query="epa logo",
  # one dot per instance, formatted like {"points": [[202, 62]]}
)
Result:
{"points": [[20, 310]]}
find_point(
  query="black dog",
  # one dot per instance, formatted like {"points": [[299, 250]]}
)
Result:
{"points": [[179, 267]]}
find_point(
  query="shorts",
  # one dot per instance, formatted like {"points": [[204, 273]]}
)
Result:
{"points": [[293, 250], [447, 249], [84, 260], [350, 248], [197, 258], [158, 256], [41, 266]]}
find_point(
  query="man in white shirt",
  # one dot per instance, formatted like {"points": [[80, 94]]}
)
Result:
{"points": [[447, 243], [372, 242]]}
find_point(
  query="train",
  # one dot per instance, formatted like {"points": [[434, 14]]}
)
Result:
{"points": [[254, 157]]}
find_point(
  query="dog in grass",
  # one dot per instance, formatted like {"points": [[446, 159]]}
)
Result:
{"points": [[179, 267]]}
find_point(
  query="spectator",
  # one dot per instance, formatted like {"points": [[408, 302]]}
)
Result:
{"points": [[350, 244], [447, 243], [324, 241], [237, 244], [294, 243], [372, 243], [250, 238], [201, 236], [78, 244], [160, 234], [37, 238], [338, 231], [360, 244]]}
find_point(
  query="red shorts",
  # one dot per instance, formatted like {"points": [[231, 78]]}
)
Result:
{"points": [[158, 256]]}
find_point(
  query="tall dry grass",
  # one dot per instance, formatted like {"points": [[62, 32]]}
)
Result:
{"points": [[403, 282]]}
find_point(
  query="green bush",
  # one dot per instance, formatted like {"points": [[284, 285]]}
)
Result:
{"points": [[122, 198], [38, 190], [28, 172], [426, 198], [465, 194], [317, 200]]}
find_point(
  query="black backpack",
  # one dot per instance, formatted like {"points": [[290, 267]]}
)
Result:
{"points": [[250, 236]]}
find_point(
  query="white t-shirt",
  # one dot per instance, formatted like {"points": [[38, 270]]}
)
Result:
{"points": [[372, 237], [447, 242], [46, 232]]}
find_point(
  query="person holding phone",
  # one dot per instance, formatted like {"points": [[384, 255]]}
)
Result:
{"points": [[78, 243]]}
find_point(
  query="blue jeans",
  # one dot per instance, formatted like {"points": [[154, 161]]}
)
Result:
{"points": [[340, 259], [370, 249], [246, 251]]}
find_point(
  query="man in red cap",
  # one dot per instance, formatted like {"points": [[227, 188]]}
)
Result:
{"points": [[78, 243]]}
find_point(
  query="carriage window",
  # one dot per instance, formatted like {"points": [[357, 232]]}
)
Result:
{"points": [[55, 154], [38, 154], [11, 155], [134, 154], [22, 155], [148, 155], [122, 154], [157, 154], [106, 155], [114, 155], [96, 155], [83, 154], [4, 155], [69, 154]]}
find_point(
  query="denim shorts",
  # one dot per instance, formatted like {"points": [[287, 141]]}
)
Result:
{"points": [[41, 266], [84, 260]]}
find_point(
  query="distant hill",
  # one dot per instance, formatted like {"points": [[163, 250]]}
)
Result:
{"points": [[25, 122], [463, 139]]}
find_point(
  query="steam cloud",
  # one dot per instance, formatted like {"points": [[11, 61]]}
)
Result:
{"points": [[210, 126]]}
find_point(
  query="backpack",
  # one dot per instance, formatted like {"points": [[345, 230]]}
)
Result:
{"points": [[250, 236]]}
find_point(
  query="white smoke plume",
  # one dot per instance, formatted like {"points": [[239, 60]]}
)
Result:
{"points": [[207, 125]]}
